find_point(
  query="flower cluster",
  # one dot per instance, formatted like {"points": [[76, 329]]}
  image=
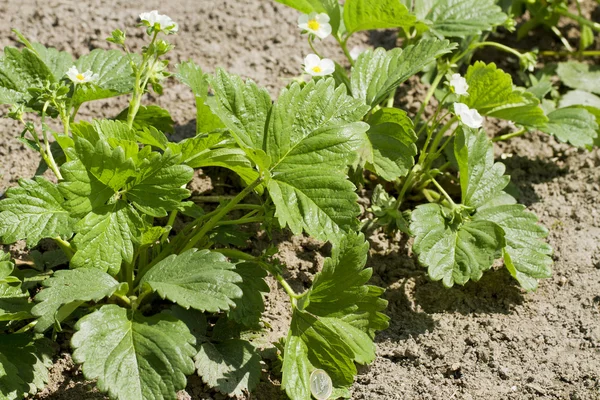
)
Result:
{"points": [[159, 22]]}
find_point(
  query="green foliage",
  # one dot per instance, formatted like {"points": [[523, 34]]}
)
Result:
{"points": [[133, 356], [202, 280], [491, 92], [33, 211], [362, 15], [231, 366], [378, 73], [574, 125], [149, 117], [460, 18], [14, 304], [335, 321], [577, 75]]}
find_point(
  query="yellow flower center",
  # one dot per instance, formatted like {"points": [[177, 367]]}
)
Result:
{"points": [[313, 25], [317, 69], [80, 77]]}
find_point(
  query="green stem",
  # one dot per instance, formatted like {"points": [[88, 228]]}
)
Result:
{"points": [[48, 157], [429, 94], [442, 191], [27, 327], [138, 90], [222, 211], [563, 39], [170, 223], [497, 45], [137, 301], [288, 289], [124, 299], [407, 183], [585, 53], [237, 254], [241, 221], [65, 247], [344, 46], [312, 45], [211, 199], [581, 20], [390, 100], [520, 132]]}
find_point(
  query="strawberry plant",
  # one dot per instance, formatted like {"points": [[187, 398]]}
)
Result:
{"points": [[145, 304], [440, 183]]}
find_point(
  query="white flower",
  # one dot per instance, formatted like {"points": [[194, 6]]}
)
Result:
{"points": [[165, 23], [355, 52], [467, 116], [317, 24], [81, 77], [316, 66], [459, 85]]}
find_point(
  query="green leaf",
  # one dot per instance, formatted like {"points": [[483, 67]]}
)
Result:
{"points": [[216, 150], [249, 308], [579, 97], [191, 75], [232, 366], [66, 286], [452, 251], [152, 137], [33, 211], [463, 18], [243, 108], [109, 166], [82, 190], [392, 143], [577, 75], [378, 73], [337, 325], [362, 15], [133, 356], [157, 187], [14, 302], [24, 362], [151, 116], [491, 92], [526, 255], [58, 62], [115, 75], [480, 178], [105, 238], [306, 140], [21, 70], [574, 125], [203, 280]]}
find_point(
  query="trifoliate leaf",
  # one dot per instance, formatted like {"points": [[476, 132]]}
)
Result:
{"points": [[103, 129], [491, 92], [24, 362], [115, 75], [249, 308], [133, 356], [480, 178], [336, 327], [378, 73], [157, 187], [454, 251], [202, 280], [363, 15], [151, 116], [243, 108], [577, 75], [526, 255], [191, 75], [232, 366], [82, 190], [66, 286], [33, 211], [109, 166], [105, 237], [574, 125], [463, 18], [306, 141], [392, 143]]}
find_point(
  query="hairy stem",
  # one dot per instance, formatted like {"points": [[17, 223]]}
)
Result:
{"points": [[65, 247], [344, 45], [430, 93], [511, 135], [581, 20]]}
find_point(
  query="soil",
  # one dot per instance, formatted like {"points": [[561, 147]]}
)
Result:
{"points": [[486, 340]]}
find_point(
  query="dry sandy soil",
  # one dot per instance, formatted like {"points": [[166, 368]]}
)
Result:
{"points": [[487, 340]]}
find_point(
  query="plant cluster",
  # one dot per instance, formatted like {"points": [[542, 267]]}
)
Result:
{"points": [[145, 305]]}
